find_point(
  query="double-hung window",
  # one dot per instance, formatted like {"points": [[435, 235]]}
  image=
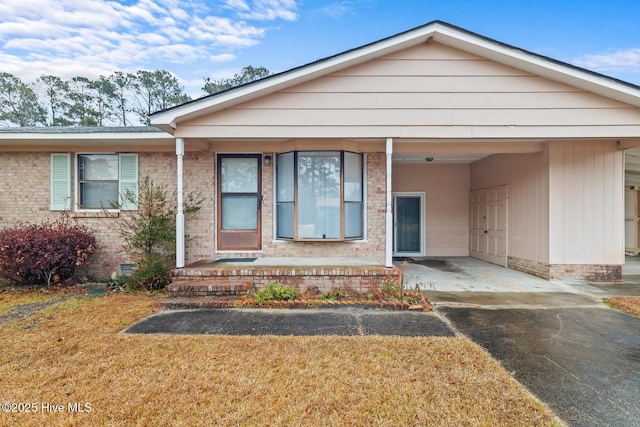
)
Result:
{"points": [[319, 195], [102, 181], [97, 180]]}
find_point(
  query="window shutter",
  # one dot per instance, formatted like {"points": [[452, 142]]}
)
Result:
{"points": [[60, 181], [128, 181]]}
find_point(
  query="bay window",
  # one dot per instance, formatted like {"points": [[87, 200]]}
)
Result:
{"points": [[319, 195]]}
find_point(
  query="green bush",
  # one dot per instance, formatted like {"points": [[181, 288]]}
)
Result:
{"points": [[276, 292]]}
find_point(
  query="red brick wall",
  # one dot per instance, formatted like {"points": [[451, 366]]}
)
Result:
{"points": [[579, 272]]}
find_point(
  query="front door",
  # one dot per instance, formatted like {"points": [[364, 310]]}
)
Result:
{"points": [[239, 222], [488, 240], [408, 224]]}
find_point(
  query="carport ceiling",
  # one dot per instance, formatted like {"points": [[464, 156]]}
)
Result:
{"points": [[438, 158]]}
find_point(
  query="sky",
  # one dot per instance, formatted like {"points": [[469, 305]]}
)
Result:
{"points": [[194, 39]]}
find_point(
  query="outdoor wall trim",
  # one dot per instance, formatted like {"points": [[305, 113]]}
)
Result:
{"points": [[389, 214], [180, 212]]}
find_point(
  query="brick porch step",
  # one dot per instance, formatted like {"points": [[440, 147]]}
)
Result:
{"points": [[196, 302], [194, 288]]}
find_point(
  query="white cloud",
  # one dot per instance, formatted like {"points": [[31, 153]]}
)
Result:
{"points": [[621, 61], [338, 9], [68, 38], [264, 9]]}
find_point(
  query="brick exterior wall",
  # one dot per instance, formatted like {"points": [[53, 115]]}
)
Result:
{"points": [[362, 280], [25, 197], [374, 246], [576, 272]]}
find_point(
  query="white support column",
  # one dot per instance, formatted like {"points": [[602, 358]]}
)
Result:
{"points": [[389, 212], [180, 213]]}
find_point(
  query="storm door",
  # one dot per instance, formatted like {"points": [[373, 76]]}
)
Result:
{"points": [[239, 202], [408, 224]]}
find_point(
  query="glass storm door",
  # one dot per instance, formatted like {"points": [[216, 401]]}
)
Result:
{"points": [[408, 224], [239, 202]]}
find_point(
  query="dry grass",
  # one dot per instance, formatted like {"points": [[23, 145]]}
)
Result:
{"points": [[630, 305], [73, 352], [11, 299]]}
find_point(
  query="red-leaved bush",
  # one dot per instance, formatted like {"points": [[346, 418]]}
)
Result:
{"points": [[40, 253]]}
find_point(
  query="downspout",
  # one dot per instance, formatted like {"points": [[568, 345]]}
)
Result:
{"points": [[180, 213], [389, 212]]}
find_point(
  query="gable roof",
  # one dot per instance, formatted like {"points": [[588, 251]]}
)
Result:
{"points": [[439, 31]]}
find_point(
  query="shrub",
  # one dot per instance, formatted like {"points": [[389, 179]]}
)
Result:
{"points": [[149, 233], [276, 292], [338, 293], [46, 252]]}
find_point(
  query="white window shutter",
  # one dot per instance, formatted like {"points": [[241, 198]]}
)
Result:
{"points": [[60, 181], [128, 180]]}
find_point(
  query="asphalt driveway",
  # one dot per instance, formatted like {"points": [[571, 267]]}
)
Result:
{"points": [[319, 321], [574, 353]]}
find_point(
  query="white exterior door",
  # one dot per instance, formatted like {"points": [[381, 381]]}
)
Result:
{"points": [[488, 224]]}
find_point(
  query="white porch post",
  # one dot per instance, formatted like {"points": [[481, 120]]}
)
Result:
{"points": [[180, 213], [389, 215]]}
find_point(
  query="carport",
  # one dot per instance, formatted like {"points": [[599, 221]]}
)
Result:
{"points": [[467, 274], [449, 275]]}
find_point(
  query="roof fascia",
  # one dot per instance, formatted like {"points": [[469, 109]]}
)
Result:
{"points": [[133, 139]]}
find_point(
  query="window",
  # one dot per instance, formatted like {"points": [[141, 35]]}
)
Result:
{"points": [[319, 195], [97, 180], [101, 180]]}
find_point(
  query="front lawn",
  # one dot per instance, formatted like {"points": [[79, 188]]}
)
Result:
{"points": [[71, 356]]}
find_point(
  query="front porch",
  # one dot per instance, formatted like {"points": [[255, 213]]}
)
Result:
{"points": [[221, 282]]}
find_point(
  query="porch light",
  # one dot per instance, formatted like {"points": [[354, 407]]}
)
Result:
{"points": [[267, 159]]}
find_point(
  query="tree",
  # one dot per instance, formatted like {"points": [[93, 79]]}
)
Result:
{"points": [[105, 97], [247, 75], [56, 92], [155, 91], [82, 98], [19, 103], [122, 83]]}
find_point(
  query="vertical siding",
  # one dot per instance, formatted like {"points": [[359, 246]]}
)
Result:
{"points": [[446, 188], [528, 181], [586, 203]]}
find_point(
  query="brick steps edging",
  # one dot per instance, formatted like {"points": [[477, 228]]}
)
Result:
{"points": [[207, 288]]}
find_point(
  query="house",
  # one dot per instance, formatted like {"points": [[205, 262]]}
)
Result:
{"points": [[433, 142]]}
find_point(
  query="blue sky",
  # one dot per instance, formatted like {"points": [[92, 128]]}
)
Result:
{"points": [[198, 38]]}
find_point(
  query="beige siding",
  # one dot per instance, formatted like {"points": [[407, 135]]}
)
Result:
{"points": [[428, 91], [446, 188], [528, 210], [586, 203]]}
